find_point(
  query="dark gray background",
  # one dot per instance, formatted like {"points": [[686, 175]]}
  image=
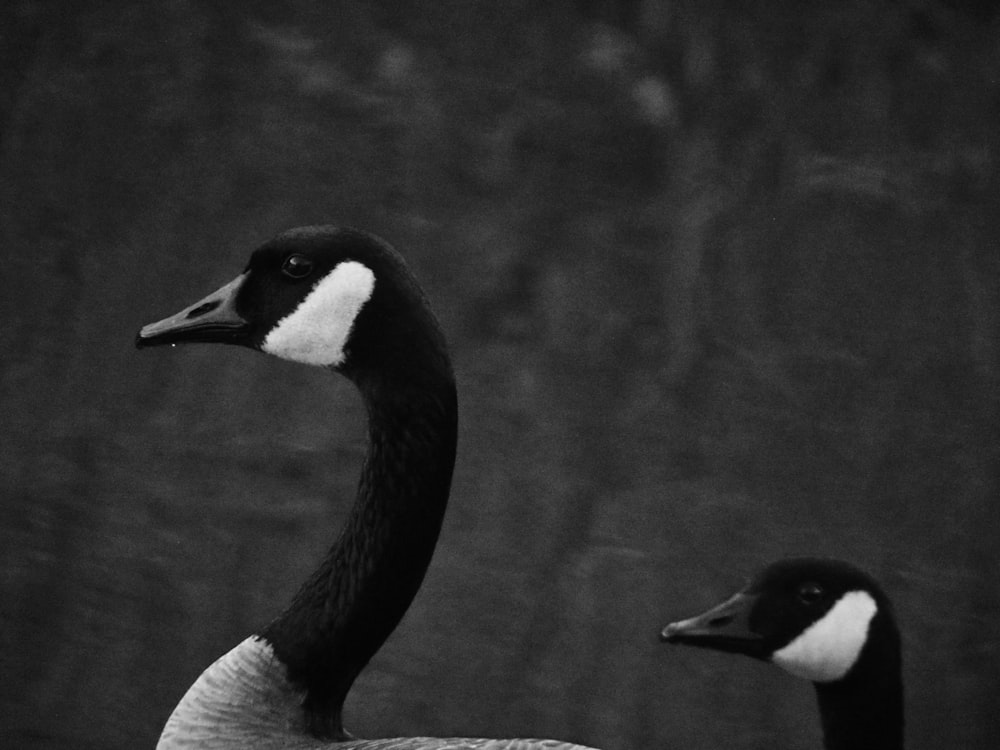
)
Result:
{"points": [[721, 286]]}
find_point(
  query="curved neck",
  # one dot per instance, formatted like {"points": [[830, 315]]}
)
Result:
{"points": [[864, 711], [353, 601]]}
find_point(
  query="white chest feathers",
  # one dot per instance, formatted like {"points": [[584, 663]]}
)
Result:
{"points": [[829, 647], [243, 700], [316, 332]]}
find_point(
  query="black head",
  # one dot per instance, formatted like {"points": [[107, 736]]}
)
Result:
{"points": [[810, 616], [321, 295]]}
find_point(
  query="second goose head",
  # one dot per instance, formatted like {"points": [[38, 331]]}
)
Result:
{"points": [[825, 621]]}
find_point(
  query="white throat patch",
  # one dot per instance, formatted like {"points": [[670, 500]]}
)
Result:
{"points": [[829, 647], [316, 331]]}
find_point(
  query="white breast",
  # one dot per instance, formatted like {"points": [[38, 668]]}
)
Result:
{"points": [[242, 700], [829, 647], [316, 331]]}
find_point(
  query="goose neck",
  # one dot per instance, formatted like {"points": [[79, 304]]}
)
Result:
{"points": [[864, 711], [354, 600]]}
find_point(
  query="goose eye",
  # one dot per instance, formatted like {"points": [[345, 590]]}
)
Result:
{"points": [[810, 593], [297, 266]]}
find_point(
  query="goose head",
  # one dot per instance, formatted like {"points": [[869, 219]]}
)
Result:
{"points": [[814, 618], [322, 295]]}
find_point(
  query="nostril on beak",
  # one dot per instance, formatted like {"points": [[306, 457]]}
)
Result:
{"points": [[203, 309], [720, 621]]}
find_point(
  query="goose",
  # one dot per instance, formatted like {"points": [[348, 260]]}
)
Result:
{"points": [[826, 621], [344, 300]]}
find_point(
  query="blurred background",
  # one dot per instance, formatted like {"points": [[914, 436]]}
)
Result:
{"points": [[722, 284]]}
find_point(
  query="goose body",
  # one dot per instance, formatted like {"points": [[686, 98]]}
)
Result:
{"points": [[343, 300], [825, 621]]}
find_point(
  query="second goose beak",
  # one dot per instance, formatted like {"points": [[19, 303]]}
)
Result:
{"points": [[212, 319], [725, 627]]}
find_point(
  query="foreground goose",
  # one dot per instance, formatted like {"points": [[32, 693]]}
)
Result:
{"points": [[343, 300], [825, 621]]}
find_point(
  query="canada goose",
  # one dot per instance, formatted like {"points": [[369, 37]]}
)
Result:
{"points": [[828, 622], [344, 300]]}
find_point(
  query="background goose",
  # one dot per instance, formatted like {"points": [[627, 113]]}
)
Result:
{"points": [[825, 621], [344, 300]]}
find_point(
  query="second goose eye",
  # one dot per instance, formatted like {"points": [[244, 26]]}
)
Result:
{"points": [[297, 266], [810, 593]]}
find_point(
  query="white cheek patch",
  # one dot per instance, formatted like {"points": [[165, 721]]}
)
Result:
{"points": [[316, 331], [829, 647]]}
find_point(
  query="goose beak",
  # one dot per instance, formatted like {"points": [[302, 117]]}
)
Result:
{"points": [[725, 627], [212, 319]]}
